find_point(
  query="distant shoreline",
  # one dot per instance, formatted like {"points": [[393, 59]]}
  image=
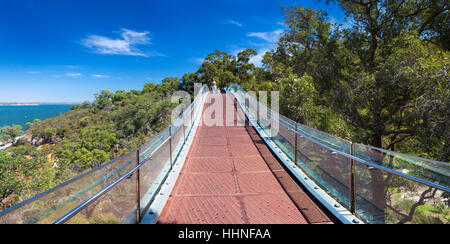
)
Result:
{"points": [[20, 104], [35, 104], [22, 113]]}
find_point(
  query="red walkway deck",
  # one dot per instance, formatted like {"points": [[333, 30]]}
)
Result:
{"points": [[226, 180]]}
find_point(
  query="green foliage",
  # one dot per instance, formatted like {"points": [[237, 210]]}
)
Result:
{"points": [[24, 172], [383, 84], [85, 121], [226, 69], [382, 81], [188, 82], [36, 122], [9, 133], [103, 100], [86, 137], [298, 94]]}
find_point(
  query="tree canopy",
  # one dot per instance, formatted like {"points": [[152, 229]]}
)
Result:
{"points": [[381, 81]]}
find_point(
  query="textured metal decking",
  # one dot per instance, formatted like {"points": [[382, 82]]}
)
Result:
{"points": [[226, 179]]}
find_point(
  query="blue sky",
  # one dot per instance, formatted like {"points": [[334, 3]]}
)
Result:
{"points": [[65, 51]]}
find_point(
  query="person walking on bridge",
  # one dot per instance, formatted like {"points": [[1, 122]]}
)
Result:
{"points": [[214, 87]]}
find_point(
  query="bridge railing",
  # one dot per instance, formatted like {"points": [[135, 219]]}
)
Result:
{"points": [[376, 185], [117, 192]]}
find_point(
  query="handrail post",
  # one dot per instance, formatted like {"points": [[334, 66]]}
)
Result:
{"points": [[138, 190], [247, 104], [295, 143], [184, 127], [235, 110], [170, 146], [352, 183], [257, 112], [192, 114]]}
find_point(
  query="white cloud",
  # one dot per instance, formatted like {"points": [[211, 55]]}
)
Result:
{"points": [[126, 45], [257, 60], [33, 72], [74, 74], [271, 37], [268, 42], [101, 76], [234, 23], [281, 23], [134, 37], [197, 60], [235, 50]]}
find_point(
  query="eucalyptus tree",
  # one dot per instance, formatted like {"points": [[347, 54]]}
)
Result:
{"points": [[385, 75]]}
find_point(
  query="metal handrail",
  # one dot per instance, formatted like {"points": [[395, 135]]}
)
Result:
{"points": [[352, 178], [106, 189], [77, 178], [351, 144], [102, 192], [86, 203], [444, 188]]}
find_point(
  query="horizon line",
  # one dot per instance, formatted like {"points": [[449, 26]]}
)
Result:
{"points": [[39, 103]]}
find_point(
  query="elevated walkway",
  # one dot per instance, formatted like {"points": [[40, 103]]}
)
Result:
{"points": [[231, 177], [246, 172]]}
